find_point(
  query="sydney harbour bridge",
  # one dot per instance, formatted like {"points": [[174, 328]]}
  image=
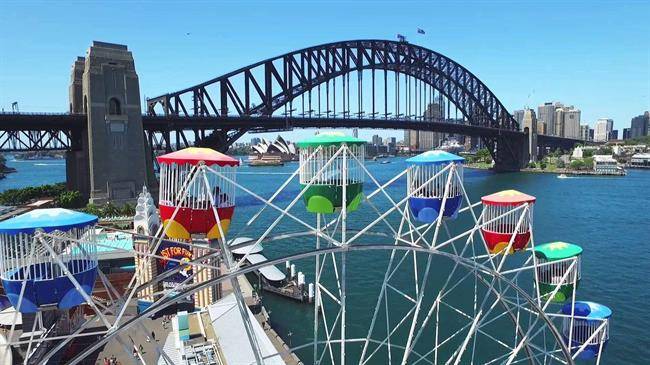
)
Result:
{"points": [[377, 84]]}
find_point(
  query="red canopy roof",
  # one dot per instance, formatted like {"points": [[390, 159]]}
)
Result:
{"points": [[194, 155], [508, 197]]}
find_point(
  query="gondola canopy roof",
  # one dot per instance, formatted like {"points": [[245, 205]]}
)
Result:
{"points": [[49, 219], [557, 250], [195, 155], [508, 198], [434, 157], [330, 139]]}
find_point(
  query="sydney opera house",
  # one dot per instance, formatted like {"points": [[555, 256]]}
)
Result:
{"points": [[279, 150]]}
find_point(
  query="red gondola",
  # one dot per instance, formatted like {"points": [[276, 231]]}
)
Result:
{"points": [[194, 214], [500, 219]]}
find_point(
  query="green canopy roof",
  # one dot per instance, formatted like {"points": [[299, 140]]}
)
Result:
{"points": [[329, 139], [554, 251]]}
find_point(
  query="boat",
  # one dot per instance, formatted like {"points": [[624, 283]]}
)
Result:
{"points": [[562, 176], [385, 162]]}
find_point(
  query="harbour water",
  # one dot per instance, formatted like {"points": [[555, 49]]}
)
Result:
{"points": [[608, 217]]}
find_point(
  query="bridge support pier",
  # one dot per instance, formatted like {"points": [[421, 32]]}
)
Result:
{"points": [[111, 164], [510, 153]]}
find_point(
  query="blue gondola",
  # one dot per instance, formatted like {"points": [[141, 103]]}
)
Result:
{"points": [[425, 204], [24, 260], [588, 317]]}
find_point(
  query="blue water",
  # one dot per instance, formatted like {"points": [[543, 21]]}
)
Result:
{"points": [[609, 217]]}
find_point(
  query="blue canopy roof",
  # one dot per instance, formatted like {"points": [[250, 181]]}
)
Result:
{"points": [[48, 220], [588, 310], [434, 157]]}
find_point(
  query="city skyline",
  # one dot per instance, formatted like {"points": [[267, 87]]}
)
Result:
{"points": [[202, 51]]}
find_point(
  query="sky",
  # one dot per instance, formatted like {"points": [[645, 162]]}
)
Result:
{"points": [[591, 54]]}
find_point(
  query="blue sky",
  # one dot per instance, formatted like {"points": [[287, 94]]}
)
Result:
{"points": [[592, 54]]}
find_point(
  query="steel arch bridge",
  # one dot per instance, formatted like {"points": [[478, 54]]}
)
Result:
{"points": [[304, 83]]}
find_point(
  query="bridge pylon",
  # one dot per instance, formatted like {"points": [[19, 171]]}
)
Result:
{"points": [[111, 163]]}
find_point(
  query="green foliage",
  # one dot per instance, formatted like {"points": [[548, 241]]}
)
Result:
{"points": [[639, 140], [587, 153], [577, 164], [560, 164], [28, 194], [109, 210], [589, 163], [542, 165], [531, 165], [604, 151], [69, 200]]}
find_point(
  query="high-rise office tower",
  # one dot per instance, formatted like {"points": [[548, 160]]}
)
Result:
{"points": [[604, 127], [546, 114]]}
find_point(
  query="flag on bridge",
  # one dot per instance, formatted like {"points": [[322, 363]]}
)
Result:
{"points": [[420, 31], [401, 38]]}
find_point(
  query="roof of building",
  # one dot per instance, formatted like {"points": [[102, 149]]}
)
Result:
{"points": [[508, 197], [246, 246], [195, 155], [434, 157], [553, 251], [603, 158], [641, 155], [588, 310], [49, 219], [233, 340], [271, 272], [329, 139]]}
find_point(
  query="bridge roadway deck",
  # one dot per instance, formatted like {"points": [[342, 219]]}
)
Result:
{"points": [[25, 122], [68, 122]]}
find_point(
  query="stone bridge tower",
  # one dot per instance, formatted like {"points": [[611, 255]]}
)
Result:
{"points": [[113, 149]]}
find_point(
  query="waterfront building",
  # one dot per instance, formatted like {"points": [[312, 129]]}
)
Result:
{"points": [[605, 165], [546, 115], [280, 150], [640, 125], [578, 153], [603, 129], [640, 160]]}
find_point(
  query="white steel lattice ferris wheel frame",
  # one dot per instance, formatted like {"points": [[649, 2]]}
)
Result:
{"points": [[410, 238]]}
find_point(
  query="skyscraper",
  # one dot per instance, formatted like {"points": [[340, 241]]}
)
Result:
{"points": [[541, 127], [626, 133], [640, 126], [519, 117], [572, 123], [603, 129], [567, 122], [530, 123], [355, 132], [584, 132], [546, 114]]}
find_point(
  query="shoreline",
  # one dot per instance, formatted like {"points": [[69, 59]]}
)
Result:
{"points": [[556, 171]]}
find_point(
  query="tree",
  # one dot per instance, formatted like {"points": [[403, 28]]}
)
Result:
{"points": [[70, 200], [561, 164], [589, 163], [531, 165], [577, 164], [542, 165]]}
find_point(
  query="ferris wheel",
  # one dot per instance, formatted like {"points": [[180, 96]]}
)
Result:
{"points": [[419, 274]]}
